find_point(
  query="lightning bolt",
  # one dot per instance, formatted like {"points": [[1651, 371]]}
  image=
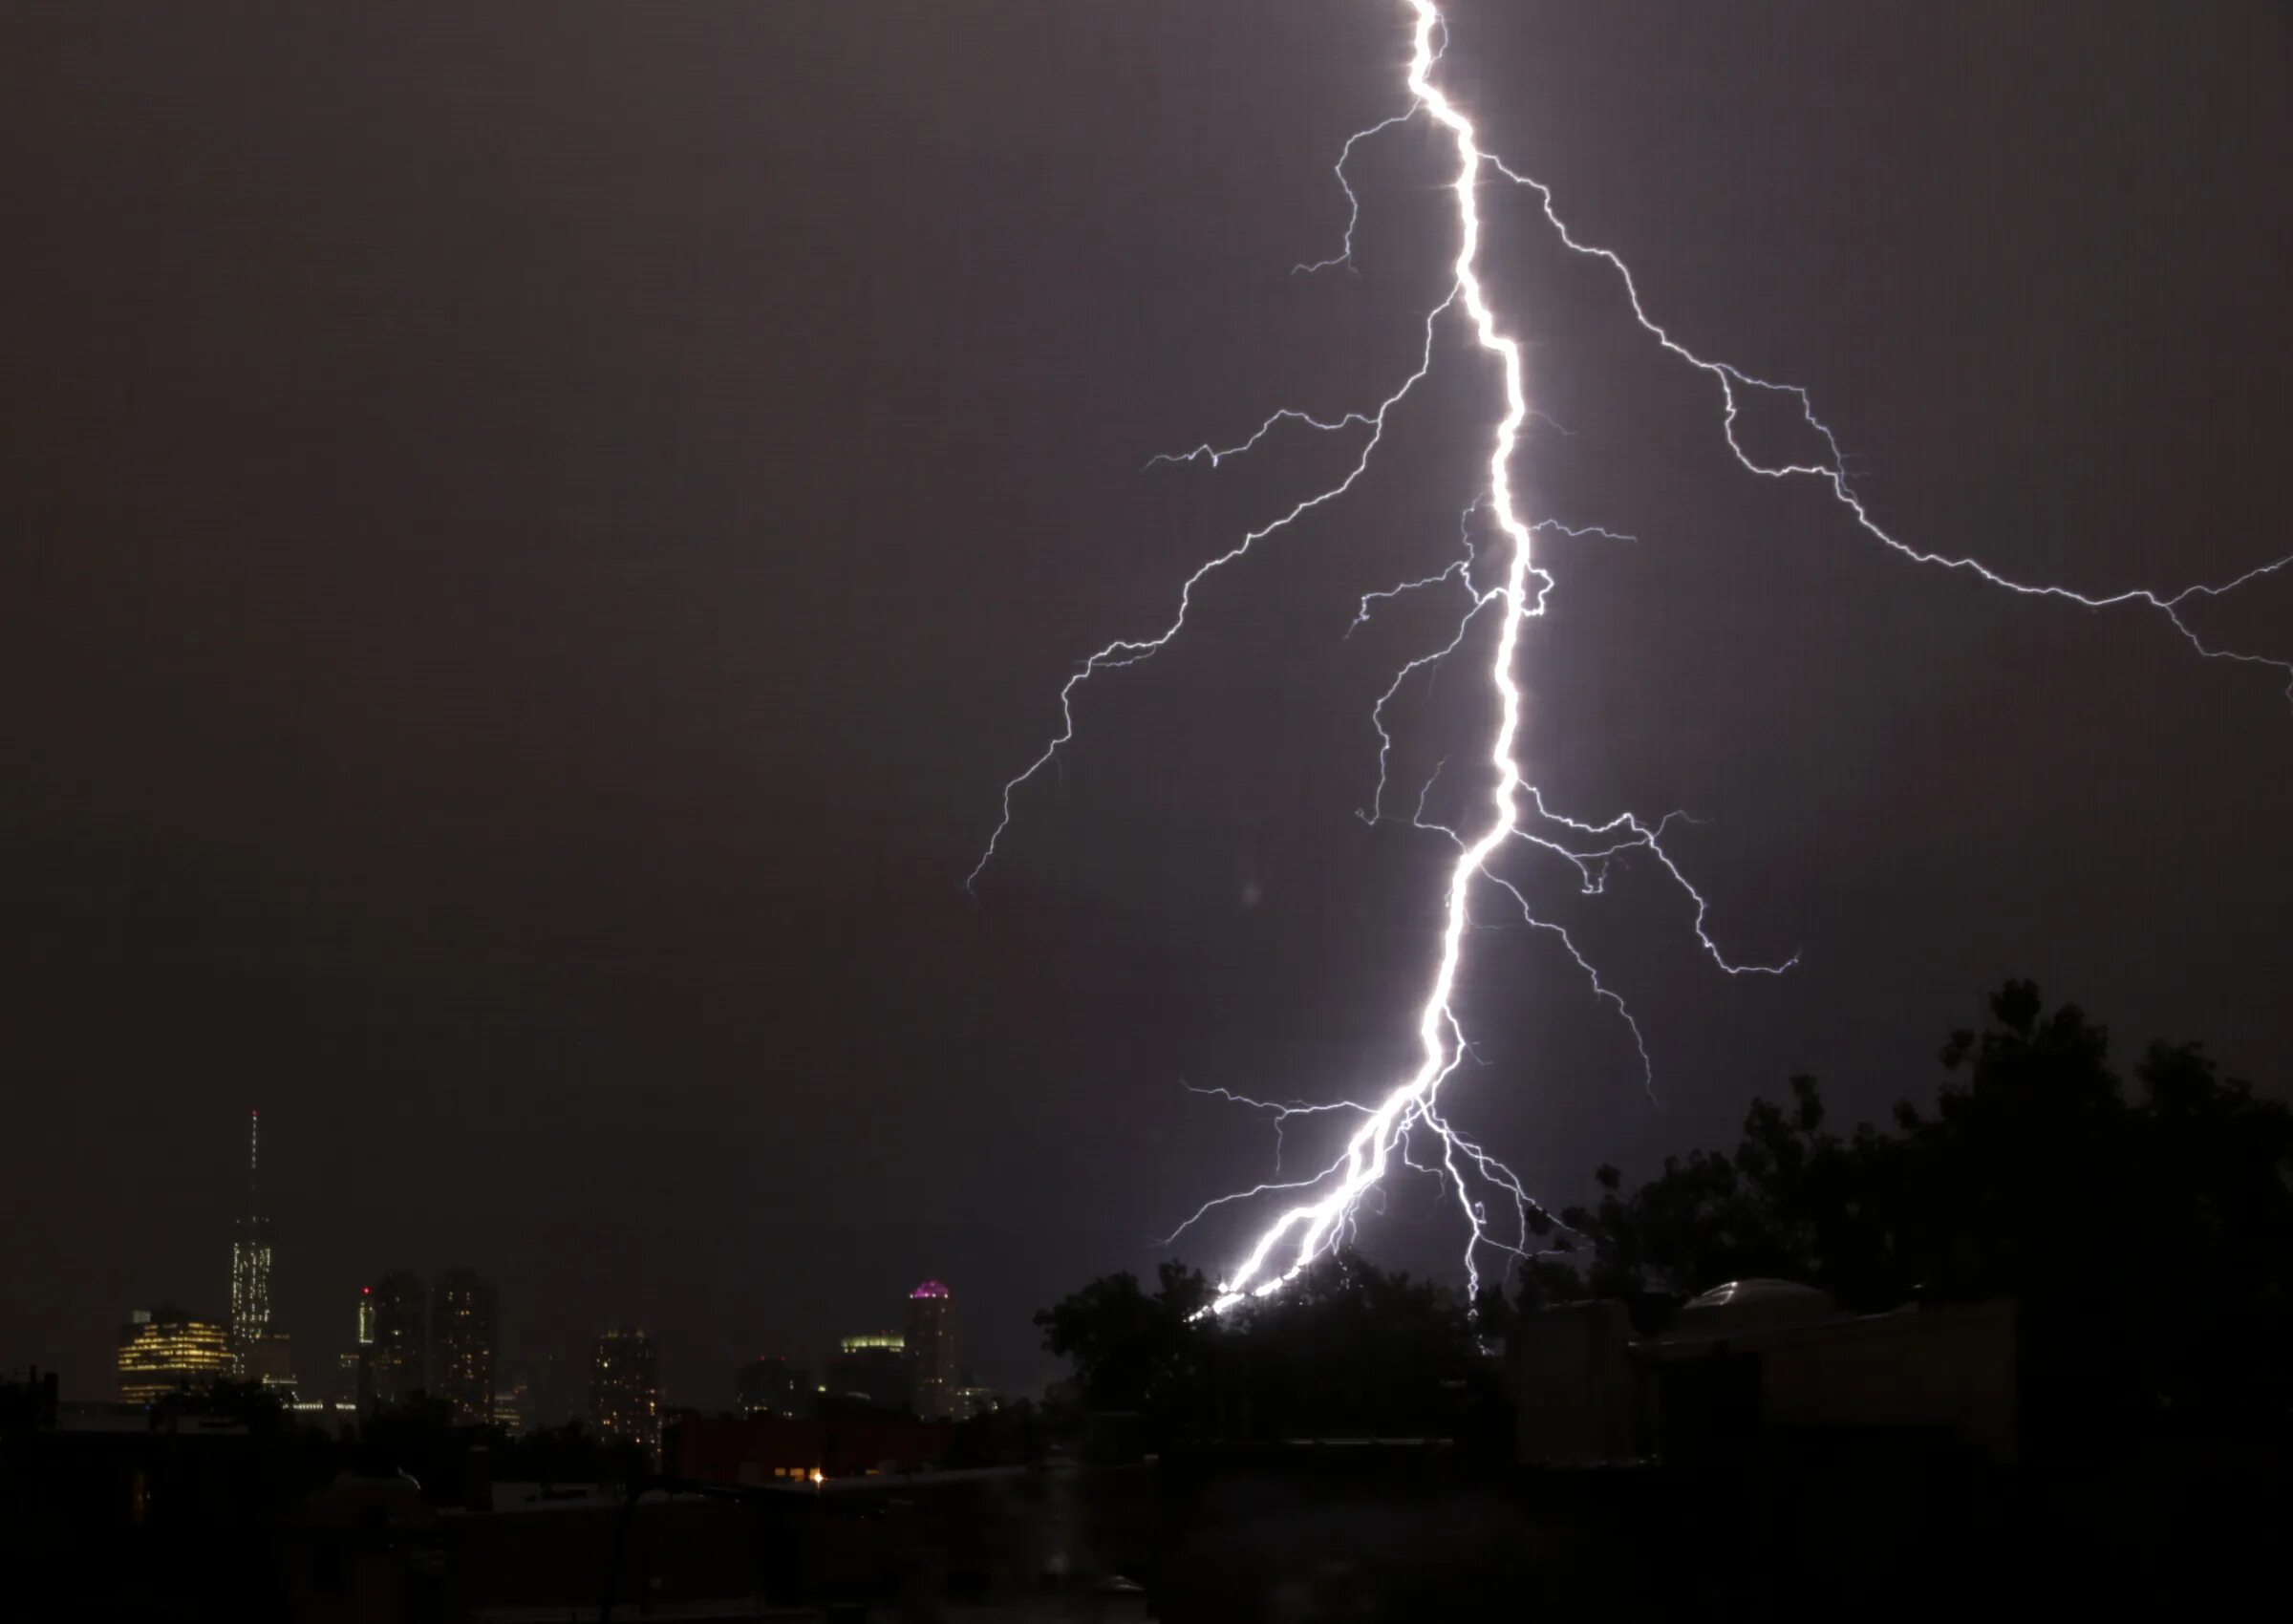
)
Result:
{"points": [[1517, 815]]}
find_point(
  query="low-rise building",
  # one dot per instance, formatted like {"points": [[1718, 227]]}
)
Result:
{"points": [[768, 1449], [1753, 1361], [164, 1349], [872, 1368]]}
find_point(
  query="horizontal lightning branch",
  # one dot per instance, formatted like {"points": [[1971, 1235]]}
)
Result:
{"points": [[1832, 471]]}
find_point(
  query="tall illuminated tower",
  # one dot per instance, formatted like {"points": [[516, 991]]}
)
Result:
{"points": [[462, 1332], [398, 1360], [354, 1368], [932, 1350], [250, 1257], [625, 1388]]}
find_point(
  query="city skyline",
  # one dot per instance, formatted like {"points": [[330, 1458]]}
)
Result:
{"points": [[440, 1335]]}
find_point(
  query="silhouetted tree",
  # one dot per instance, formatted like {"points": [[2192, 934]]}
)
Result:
{"points": [[2149, 1241], [1347, 1348], [1793, 1200], [1136, 1352]]}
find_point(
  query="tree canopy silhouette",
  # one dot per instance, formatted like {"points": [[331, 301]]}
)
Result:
{"points": [[2149, 1239], [1348, 1349]]}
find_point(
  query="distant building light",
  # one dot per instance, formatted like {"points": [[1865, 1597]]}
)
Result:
{"points": [[929, 1288]]}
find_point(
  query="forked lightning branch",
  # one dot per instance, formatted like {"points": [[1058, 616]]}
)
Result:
{"points": [[1411, 1124]]}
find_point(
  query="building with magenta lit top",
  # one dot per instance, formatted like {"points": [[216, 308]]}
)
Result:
{"points": [[932, 1362]]}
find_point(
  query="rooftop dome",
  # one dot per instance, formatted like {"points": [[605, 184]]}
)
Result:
{"points": [[355, 1497], [930, 1288], [1744, 1305]]}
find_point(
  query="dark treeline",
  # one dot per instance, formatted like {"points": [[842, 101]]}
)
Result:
{"points": [[1348, 1349], [2146, 1231]]}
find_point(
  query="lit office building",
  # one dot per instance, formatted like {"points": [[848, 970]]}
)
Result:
{"points": [[399, 1362], [769, 1386], [625, 1388], [269, 1359], [874, 1370], [931, 1351], [163, 1349], [462, 1345], [543, 1391], [354, 1387]]}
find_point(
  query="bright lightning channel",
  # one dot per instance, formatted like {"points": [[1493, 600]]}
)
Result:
{"points": [[1304, 1230]]}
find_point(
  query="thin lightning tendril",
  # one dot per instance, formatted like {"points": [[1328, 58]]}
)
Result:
{"points": [[1518, 814], [1834, 472], [1353, 204], [1130, 652]]}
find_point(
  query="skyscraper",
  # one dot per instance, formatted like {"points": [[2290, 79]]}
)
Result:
{"points": [[556, 1390], [625, 1388], [251, 1258], [357, 1379], [269, 1358], [163, 1349], [769, 1386], [462, 1333], [399, 1361], [513, 1407], [932, 1350], [874, 1370]]}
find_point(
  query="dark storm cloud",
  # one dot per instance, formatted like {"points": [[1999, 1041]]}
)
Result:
{"points": [[531, 544]]}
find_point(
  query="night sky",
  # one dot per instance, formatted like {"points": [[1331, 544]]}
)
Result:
{"points": [[529, 540]]}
